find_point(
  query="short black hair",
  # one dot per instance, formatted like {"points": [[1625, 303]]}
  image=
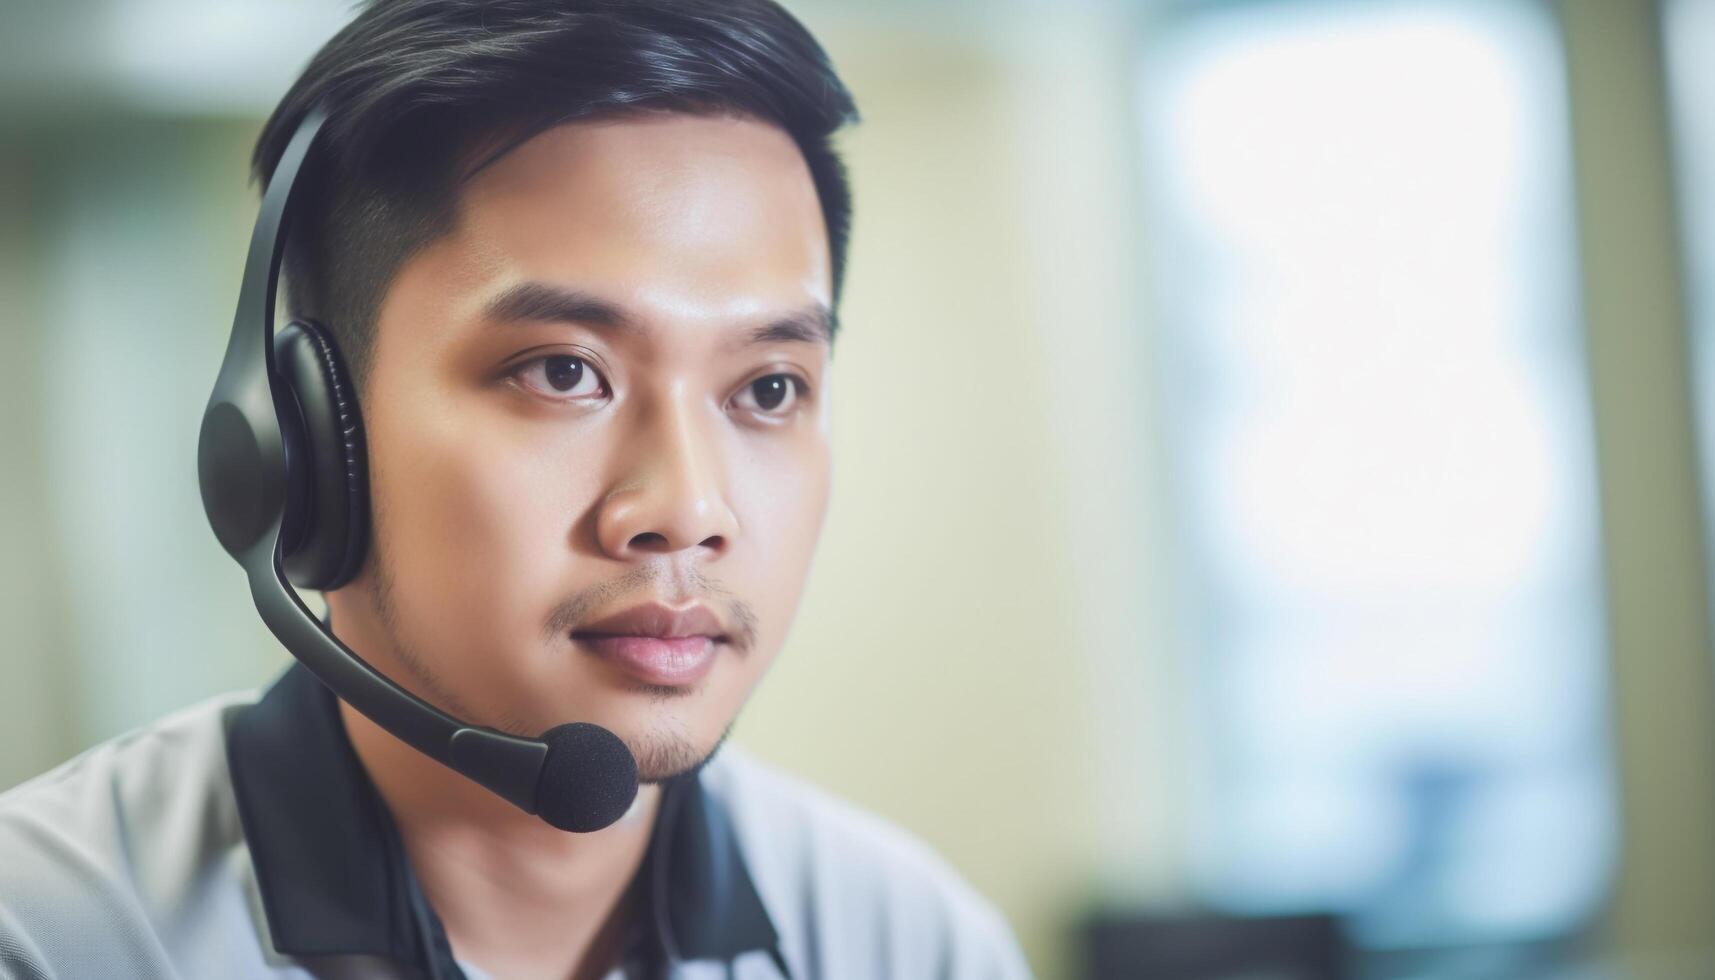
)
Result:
{"points": [[412, 88]]}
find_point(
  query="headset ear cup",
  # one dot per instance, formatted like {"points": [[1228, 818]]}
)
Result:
{"points": [[330, 471]]}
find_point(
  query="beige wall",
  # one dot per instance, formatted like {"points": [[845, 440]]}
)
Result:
{"points": [[1652, 504]]}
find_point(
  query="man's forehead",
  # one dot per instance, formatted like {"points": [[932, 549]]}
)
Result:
{"points": [[664, 154], [628, 210]]}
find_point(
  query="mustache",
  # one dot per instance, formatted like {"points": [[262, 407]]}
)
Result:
{"points": [[645, 584]]}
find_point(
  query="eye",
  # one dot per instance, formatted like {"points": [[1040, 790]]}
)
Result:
{"points": [[562, 377], [774, 395]]}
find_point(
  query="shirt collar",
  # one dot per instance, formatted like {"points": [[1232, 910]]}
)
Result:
{"points": [[334, 879]]}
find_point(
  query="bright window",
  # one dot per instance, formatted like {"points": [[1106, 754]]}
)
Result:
{"points": [[1384, 464]]}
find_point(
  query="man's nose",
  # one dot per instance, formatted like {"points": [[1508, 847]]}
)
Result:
{"points": [[673, 496]]}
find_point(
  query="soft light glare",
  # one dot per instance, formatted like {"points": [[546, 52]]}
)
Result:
{"points": [[1385, 464]]}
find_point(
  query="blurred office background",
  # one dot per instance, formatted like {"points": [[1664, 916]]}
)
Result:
{"points": [[1270, 534]]}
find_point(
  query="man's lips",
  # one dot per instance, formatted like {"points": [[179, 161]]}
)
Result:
{"points": [[659, 619], [670, 661], [656, 643]]}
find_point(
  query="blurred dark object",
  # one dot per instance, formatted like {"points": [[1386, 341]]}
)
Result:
{"points": [[1574, 956], [1208, 947]]}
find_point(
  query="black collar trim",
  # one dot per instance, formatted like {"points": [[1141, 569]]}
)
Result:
{"points": [[333, 875]]}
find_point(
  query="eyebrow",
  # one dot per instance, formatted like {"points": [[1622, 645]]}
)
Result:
{"points": [[540, 302]]}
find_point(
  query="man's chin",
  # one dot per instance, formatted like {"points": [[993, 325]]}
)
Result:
{"points": [[666, 755]]}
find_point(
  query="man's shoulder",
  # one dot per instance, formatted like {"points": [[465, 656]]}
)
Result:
{"points": [[800, 819], [104, 850], [854, 879], [130, 778]]}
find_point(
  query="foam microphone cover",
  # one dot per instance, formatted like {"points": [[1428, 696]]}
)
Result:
{"points": [[588, 779]]}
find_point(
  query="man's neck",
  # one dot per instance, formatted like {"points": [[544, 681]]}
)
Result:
{"points": [[518, 897]]}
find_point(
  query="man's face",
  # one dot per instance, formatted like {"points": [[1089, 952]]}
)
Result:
{"points": [[576, 407]]}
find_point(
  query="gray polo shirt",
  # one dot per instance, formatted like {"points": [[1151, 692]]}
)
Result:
{"points": [[242, 838]]}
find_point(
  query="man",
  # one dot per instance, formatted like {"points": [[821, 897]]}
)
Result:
{"points": [[582, 259]]}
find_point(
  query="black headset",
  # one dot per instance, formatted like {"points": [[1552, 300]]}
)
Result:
{"points": [[284, 475]]}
